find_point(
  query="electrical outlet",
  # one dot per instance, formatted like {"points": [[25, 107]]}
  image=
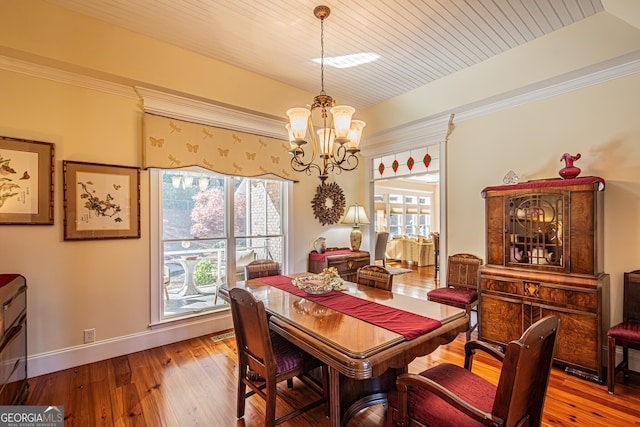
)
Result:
{"points": [[89, 335]]}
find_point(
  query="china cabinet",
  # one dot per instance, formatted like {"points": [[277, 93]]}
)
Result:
{"points": [[545, 256]]}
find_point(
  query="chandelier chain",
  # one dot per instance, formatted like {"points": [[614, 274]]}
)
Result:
{"points": [[322, 92]]}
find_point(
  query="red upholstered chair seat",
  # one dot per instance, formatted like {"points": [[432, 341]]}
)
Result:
{"points": [[452, 295], [430, 410], [461, 290], [287, 356], [625, 334], [628, 331], [451, 396]]}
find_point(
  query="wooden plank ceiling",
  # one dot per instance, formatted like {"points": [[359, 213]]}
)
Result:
{"points": [[417, 41]]}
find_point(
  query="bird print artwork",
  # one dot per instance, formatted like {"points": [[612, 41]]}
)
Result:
{"points": [[25, 175]]}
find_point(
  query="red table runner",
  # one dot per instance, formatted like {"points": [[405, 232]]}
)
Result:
{"points": [[409, 325]]}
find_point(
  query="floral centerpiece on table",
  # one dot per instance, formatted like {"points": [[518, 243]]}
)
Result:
{"points": [[321, 283]]}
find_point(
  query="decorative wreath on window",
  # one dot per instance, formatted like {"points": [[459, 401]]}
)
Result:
{"points": [[328, 203]]}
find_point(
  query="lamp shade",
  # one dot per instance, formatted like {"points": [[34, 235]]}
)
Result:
{"points": [[342, 120], [355, 133], [298, 118], [356, 215]]}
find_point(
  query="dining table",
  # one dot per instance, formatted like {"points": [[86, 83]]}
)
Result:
{"points": [[366, 336]]}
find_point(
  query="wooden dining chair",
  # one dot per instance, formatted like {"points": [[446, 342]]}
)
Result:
{"points": [[435, 236], [380, 250], [375, 276], [449, 395], [266, 359], [627, 333], [261, 268], [461, 290]]}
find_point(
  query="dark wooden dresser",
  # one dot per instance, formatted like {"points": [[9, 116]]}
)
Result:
{"points": [[346, 261], [545, 257], [13, 339]]}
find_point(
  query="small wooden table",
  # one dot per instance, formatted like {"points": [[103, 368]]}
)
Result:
{"points": [[364, 360], [346, 261]]}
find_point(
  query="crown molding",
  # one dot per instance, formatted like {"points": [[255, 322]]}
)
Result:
{"points": [[67, 77], [191, 110], [419, 133], [433, 129]]}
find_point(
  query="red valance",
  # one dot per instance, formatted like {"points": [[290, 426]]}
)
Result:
{"points": [[548, 183]]}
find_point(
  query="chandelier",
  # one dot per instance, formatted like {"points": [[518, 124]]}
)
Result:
{"points": [[336, 143]]}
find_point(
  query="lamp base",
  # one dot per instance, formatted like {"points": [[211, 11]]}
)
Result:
{"points": [[356, 238]]}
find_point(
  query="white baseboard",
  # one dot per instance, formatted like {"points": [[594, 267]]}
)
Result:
{"points": [[45, 363]]}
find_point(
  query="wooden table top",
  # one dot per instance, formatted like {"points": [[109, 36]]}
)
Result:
{"points": [[355, 348]]}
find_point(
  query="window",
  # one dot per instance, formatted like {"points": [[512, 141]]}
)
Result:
{"points": [[196, 251], [406, 213]]}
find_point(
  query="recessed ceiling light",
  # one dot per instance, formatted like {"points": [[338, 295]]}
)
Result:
{"points": [[348, 61]]}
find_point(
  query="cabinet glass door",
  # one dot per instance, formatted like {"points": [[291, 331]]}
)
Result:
{"points": [[535, 229]]}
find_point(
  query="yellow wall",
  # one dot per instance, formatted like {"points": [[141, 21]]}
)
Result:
{"points": [[600, 122], [74, 285]]}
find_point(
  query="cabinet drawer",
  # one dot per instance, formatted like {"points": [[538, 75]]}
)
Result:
{"points": [[500, 285], [585, 300]]}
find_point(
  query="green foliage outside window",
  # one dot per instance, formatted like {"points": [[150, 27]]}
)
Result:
{"points": [[205, 273]]}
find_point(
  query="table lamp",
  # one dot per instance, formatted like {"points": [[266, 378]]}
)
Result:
{"points": [[356, 216]]}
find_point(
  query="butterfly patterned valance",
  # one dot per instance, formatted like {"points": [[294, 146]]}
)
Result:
{"points": [[170, 143]]}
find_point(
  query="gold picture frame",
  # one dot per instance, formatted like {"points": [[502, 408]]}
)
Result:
{"points": [[26, 182], [101, 201]]}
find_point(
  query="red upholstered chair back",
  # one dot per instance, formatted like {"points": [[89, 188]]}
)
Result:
{"points": [[525, 374]]}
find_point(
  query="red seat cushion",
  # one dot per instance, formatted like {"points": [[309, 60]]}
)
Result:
{"points": [[453, 295], [287, 356], [628, 331], [432, 411]]}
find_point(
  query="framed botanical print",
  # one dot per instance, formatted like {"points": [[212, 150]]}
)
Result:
{"points": [[26, 181], [101, 201]]}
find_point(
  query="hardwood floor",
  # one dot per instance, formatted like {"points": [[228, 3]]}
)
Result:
{"points": [[193, 383]]}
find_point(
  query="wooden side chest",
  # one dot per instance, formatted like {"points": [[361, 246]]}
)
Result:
{"points": [[347, 262], [512, 300]]}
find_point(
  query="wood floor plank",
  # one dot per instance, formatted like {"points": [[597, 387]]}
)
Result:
{"points": [[193, 383]]}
